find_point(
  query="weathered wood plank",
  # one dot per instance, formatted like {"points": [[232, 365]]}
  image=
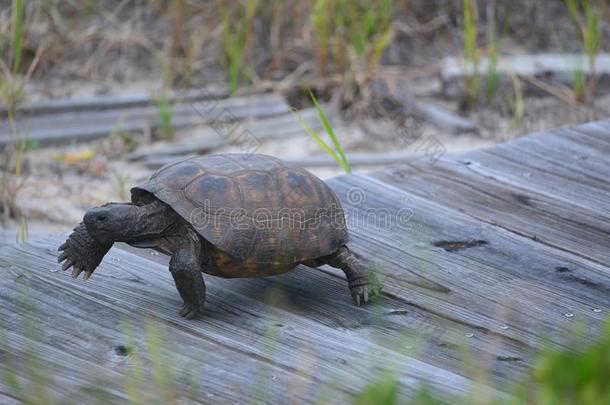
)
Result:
{"points": [[454, 243], [300, 345], [554, 68], [554, 165], [533, 65], [86, 126], [354, 159], [550, 220], [390, 321], [246, 133], [109, 102], [493, 278], [443, 118]]}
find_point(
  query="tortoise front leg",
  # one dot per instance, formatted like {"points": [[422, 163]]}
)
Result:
{"points": [[82, 251], [185, 267]]}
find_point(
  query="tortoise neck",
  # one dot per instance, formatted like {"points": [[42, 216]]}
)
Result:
{"points": [[153, 220], [144, 222]]}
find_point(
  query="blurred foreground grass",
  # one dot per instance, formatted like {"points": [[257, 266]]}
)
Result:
{"points": [[578, 376], [563, 377]]}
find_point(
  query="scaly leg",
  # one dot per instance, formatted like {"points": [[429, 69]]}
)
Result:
{"points": [[358, 278], [185, 267]]}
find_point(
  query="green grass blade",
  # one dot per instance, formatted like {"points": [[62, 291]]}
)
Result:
{"points": [[572, 6], [9, 376], [331, 134], [155, 344], [316, 137], [591, 33], [380, 45], [135, 379], [18, 11]]}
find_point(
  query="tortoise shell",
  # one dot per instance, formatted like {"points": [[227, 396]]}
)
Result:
{"points": [[252, 206]]}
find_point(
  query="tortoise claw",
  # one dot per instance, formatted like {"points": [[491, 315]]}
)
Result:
{"points": [[360, 295], [189, 311], [185, 308], [76, 272], [62, 257], [82, 252]]}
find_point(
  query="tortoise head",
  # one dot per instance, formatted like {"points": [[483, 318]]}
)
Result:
{"points": [[111, 222], [126, 222]]}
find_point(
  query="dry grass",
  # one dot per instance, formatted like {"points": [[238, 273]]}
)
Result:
{"points": [[332, 48], [189, 43]]}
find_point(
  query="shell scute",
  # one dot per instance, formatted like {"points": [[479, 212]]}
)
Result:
{"points": [[254, 207]]}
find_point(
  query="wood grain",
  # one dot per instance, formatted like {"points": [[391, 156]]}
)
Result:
{"points": [[68, 127], [83, 319], [499, 253]]}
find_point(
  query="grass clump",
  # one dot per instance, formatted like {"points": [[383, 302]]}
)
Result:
{"points": [[573, 377], [237, 24], [12, 95], [383, 391], [560, 377], [586, 17], [363, 28]]}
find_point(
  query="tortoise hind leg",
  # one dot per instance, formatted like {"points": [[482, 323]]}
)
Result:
{"points": [[186, 270], [358, 278]]}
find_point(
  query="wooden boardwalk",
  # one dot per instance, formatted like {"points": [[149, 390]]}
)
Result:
{"points": [[501, 251]]}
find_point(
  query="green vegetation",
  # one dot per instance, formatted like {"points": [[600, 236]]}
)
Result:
{"points": [[383, 391], [590, 33], [12, 94], [165, 128], [473, 76], [492, 78], [22, 230], [236, 33], [17, 49], [361, 27], [122, 183], [335, 150], [579, 85], [151, 378], [471, 54], [516, 103], [577, 375], [126, 140], [560, 377]]}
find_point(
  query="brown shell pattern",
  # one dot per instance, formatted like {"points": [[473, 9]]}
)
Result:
{"points": [[252, 206]]}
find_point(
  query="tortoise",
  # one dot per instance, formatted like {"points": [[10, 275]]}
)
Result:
{"points": [[228, 215]]}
